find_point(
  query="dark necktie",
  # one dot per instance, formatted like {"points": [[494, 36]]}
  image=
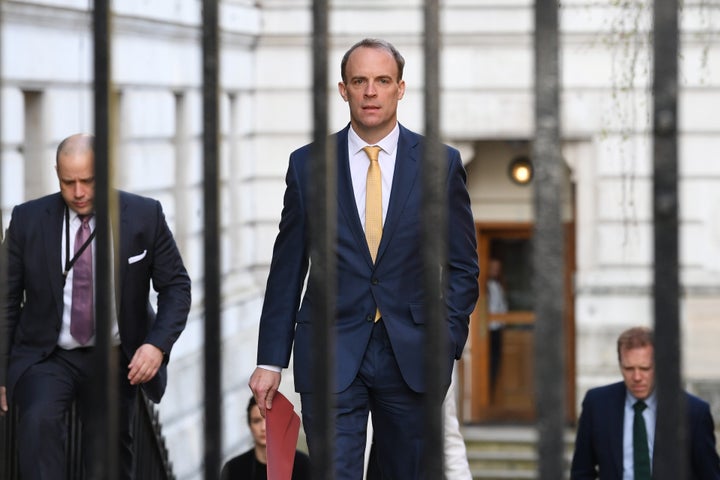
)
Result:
{"points": [[641, 455], [81, 312]]}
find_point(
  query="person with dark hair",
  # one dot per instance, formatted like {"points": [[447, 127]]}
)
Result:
{"points": [[48, 325], [496, 304], [379, 326], [616, 431], [252, 465]]}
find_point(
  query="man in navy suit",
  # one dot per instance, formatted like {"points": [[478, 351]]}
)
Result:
{"points": [[604, 446], [49, 364], [378, 328]]}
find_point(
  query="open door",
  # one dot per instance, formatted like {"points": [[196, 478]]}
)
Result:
{"points": [[503, 324]]}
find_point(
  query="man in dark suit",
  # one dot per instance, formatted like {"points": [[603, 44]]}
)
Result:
{"points": [[616, 443], [378, 329], [49, 318]]}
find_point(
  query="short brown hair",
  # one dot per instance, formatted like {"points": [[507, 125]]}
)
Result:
{"points": [[378, 44], [635, 337]]}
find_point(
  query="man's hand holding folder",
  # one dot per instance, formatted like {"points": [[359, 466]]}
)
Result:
{"points": [[283, 428]]}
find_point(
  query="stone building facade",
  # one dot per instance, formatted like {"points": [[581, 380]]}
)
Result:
{"points": [[486, 111]]}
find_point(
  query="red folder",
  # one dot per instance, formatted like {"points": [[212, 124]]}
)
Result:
{"points": [[283, 427]]}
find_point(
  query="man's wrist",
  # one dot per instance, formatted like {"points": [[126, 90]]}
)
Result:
{"points": [[272, 368]]}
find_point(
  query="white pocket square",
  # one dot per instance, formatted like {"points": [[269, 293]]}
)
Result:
{"points": [[137, 258]]}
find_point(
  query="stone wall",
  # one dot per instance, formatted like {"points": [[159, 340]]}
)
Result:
{"points": [[486, 98]]}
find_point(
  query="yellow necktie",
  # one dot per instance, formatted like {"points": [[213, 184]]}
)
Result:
{"points": [[373, 202], [373, 205]]}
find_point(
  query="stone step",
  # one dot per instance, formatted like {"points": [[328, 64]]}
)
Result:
{"points": [[506, 452], [509, 452], [501, 475], [507, 459]]}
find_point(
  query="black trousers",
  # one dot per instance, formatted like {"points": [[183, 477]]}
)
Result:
{"points": [[44, 395]]}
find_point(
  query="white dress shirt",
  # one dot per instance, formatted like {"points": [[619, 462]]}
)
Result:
{"points": [[496, 297], [359, 163], [66, 340]]}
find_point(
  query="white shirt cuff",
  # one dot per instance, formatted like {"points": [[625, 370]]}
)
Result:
{"points": [[272, 368]]}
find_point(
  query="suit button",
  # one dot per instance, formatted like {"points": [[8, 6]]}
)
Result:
{"points": [[375, 281], [370, 318]]}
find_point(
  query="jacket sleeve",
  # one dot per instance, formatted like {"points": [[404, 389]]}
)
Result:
{"points": [[286, 278], [462, 265], [703, 452], [584, 459], [11, 265], [172, 282]]}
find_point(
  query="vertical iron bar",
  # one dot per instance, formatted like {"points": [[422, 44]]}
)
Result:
{"points": [[322, 251], [211, 141], [106, 465], [670, 461], [7, 422], [2, 224], [548, 242], [434, 241]]}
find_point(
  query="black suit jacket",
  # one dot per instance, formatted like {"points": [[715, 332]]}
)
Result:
{"points": [[599, 442], [147, 251]]}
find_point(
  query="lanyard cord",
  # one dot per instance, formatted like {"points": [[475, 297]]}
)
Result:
{"points": [[70, 262]]}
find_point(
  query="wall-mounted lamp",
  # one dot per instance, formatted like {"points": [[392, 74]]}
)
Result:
{"points": [[521, 170]]}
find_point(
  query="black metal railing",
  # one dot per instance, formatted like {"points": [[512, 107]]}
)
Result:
{"points": [[151, 455]]}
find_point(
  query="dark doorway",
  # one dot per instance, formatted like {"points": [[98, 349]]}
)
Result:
{"points": [[502, 327]]}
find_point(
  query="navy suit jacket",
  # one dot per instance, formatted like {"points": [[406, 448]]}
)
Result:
{"points": [[393, 283], [34, 309], [599, 442]]}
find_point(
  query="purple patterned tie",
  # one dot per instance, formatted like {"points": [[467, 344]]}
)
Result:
{"points": [[81, 313]]}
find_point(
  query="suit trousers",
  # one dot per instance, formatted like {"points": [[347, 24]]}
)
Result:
{"points": [[397, 416], [44, 395]]}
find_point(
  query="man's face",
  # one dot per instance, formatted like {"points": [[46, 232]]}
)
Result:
{"points": [[257, 426], [494, 269], [638, 370], [372, 92], [76, 174]]}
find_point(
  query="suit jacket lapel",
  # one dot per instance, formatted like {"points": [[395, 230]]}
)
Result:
{"points": [[346, 195], [52, 229], [122, 252], [407, 166], [616, 414]]}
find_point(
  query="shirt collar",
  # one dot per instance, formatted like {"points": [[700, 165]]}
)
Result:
{"points": [[388, 144], [75, 217], [650, 401]]}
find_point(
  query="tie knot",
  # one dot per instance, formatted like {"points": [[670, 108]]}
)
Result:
{"points": [[639, 406], [85, 219], [372, 152]]}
